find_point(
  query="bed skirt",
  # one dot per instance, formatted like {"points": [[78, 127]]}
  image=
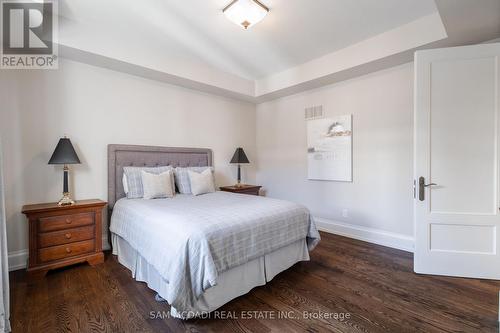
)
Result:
{"points": [[232, 283]]}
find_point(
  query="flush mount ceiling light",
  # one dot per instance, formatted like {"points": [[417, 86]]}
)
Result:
{"points": [[245, 13]]}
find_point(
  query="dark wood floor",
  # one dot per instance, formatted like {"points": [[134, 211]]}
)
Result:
{"points": [[375, 285]]}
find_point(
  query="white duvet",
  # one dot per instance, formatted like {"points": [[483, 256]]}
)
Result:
{"points": [[189, 239]]}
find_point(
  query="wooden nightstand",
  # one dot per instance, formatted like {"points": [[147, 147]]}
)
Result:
{"points": [[243, 189], [64, 235]]}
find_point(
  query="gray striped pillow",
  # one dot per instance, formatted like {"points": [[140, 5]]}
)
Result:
{"points": [[134, 179], [182, 178]]}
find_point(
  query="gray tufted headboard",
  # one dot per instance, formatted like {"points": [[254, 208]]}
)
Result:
{"points": [[131, 155]]}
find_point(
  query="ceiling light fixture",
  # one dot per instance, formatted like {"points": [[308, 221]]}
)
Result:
{"points": [[245, 13]]}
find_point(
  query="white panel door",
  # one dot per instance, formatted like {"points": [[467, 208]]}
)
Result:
{"points": [[457, 221]]}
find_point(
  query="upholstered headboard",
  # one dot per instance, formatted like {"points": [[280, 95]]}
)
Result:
{"points": [[129, 155]]}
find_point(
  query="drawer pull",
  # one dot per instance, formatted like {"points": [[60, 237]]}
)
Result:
{"points": [[68, 221], [68, 250], [68, 235]]}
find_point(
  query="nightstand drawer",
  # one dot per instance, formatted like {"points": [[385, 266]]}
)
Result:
{"points": [[66, 236], [251, 192], [63, 251], [65, 221], [242, 189]]}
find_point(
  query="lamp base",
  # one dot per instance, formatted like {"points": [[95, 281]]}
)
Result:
{"points": [[66, 200]]}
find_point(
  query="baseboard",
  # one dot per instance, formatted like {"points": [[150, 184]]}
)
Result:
{"points": [[371, 235], [19, 259]]}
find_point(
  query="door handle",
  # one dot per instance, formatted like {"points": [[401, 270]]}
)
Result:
{"points": [[421, 188]]}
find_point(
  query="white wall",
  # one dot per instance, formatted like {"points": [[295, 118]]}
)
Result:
{"points": [[379, 200], [96, 107]]}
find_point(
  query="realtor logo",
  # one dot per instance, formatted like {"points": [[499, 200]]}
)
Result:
{"points": [[29, 31]]}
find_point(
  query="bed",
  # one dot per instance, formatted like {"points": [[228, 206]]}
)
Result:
{"points": [[200, 252]]}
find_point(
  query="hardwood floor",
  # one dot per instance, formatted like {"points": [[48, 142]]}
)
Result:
{"points": [[375, 285]]}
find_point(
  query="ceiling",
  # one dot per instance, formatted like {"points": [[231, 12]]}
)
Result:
{"points": [[294, 32], [191, 40]]}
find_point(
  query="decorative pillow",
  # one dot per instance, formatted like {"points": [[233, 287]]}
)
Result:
{"points": [[134, 179], [124, 183], [201, 183], [182, 177], [157, 185]]}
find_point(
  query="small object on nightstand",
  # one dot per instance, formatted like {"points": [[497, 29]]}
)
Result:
{"points": [[65, 154], [243, 189], [239, 158], [64, 235]]}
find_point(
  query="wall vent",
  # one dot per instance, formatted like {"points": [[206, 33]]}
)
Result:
{"points": [[314, 112]]}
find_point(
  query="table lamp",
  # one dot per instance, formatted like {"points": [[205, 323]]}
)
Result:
{"points": [[239, 158], [65, 154]]}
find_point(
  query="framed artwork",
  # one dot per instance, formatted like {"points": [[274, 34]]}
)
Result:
{"points": [[329, 148]]}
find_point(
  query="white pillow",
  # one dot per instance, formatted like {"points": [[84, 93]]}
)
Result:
{"points": [[134, 179], [201, 183], [157, 185], [125, 183], [182, 177]]}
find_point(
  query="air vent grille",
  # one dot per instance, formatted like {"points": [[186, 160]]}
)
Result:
{"points": [[313, 112]]}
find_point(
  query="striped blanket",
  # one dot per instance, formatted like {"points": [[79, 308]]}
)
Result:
{"points": [[190, 239]]}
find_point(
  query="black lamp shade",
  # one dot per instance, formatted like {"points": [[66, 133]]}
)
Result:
{"points": [[239, 157], [64, 153]]}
